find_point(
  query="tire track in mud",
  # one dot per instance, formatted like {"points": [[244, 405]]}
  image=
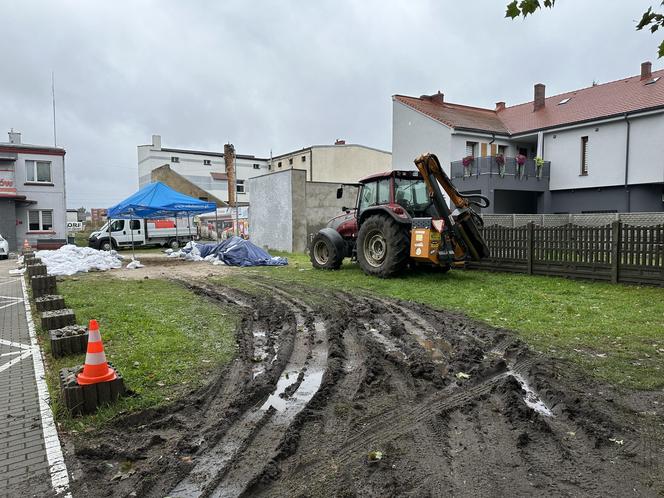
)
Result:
{"points": [[248, 446], [323, 378]]}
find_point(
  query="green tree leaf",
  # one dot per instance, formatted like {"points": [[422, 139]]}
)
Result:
{"points": [[513, 10]]}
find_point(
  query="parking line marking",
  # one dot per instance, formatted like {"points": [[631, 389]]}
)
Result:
{"points": [[56, 461]]}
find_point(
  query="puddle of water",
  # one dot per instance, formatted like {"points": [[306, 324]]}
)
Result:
{"points": [[531, 398], [310, 383], [279, 403]]}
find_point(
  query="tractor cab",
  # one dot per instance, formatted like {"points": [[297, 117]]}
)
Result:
{"points": [[402, 192]]}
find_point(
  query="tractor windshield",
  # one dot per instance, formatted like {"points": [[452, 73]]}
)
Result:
{"points": [[411, 194]]}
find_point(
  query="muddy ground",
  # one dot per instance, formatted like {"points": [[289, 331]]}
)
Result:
{"points": [[340, 395]]}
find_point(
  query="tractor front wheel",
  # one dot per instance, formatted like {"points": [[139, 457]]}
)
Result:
{"points": [[327, 250], [382, 246]]}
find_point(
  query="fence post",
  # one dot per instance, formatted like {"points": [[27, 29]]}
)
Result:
{"points": [[531, 230], [615, 251]]}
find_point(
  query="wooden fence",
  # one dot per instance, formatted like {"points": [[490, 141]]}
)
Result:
{"points": [[612, 253]]}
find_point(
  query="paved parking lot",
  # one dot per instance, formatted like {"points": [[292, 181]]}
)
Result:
{"points": [[30, 454]]}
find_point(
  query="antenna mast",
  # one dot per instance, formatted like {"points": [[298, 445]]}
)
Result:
{"points": [[55, 137]]}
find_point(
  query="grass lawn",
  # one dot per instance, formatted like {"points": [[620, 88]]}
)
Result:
{"points": [[162, 338], [615, 332]]}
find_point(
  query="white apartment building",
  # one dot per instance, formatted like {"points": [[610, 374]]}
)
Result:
{"points": [[338, 163], [32, 193], [204, 169]]}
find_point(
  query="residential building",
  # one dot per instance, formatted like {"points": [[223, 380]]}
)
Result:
{"points": [[98, 216], [339, 163], [32, 193], [599, 149], [203, 174], [204, 169]]}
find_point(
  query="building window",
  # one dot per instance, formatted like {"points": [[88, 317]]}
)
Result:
{"points": [[175, 159], [584, 156], [257, 166], [40, 220], [290, 160], [279, 164], [502, 150], [304, 159], [206, 162], [38, 171], [471, 148], [239, 186]]}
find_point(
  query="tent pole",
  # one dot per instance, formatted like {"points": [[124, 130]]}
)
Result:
{"points": [[131, 229], [189, 224], [110, 241], [176, 230], [216, 224]]}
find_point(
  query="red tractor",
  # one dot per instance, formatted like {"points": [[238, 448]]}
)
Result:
{"points": [[402, 218]]}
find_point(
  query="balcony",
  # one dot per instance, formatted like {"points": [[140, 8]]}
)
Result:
{"points": [[484, 173]]}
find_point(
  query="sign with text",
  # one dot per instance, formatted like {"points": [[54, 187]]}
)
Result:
{"points": [[7, 184], [74, 226]]}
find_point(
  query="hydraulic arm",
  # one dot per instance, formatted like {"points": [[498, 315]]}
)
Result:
{"points": [[460, 236]]}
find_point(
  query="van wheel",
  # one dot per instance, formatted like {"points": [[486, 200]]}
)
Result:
{"points": [[106, 246], [174, 244]]}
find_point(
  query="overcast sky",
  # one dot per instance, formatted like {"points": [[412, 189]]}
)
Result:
{"points": [[280, 75]]}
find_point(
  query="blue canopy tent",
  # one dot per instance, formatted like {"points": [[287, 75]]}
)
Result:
{"points": [[157, 200]]}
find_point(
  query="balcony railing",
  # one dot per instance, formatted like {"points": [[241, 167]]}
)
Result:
{"points": [[489, 166]]}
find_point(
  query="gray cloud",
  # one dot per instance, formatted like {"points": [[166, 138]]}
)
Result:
{"points": [[270, 75]]}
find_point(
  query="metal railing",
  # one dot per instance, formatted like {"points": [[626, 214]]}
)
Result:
{"points": [[489, 166]]}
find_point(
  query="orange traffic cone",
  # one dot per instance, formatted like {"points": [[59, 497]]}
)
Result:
{"points": [[96, 368]]}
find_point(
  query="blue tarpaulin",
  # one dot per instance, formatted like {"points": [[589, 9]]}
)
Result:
{"points": [[157, 200], [239, 252]]}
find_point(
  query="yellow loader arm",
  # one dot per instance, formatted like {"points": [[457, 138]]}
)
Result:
{"points": [[461, 229]]}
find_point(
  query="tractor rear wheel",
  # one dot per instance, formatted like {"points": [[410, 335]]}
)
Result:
{"points": [[382, 246]]}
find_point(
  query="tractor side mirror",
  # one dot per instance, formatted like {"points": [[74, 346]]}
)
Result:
{"points": [[340, 192]]}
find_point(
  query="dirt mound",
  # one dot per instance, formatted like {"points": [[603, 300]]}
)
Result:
{"points": [[338, 395]]}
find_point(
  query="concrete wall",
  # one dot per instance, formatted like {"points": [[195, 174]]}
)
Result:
{"points": [[292, 210], [8, 222], [271, 215], [321, 205], [414, 134]]}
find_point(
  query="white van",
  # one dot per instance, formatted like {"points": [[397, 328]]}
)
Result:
{"points": [[145, 233]]}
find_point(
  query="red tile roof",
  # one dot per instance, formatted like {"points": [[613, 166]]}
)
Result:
{"points": [[219, 176], [455, 115], [600, 101]]}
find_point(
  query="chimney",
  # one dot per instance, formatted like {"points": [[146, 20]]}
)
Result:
{"points": [[156, 142], [338, 141], [229, 161], [14, 137], [500, 106], [438, 98], [538, 103], [646, 70]]}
